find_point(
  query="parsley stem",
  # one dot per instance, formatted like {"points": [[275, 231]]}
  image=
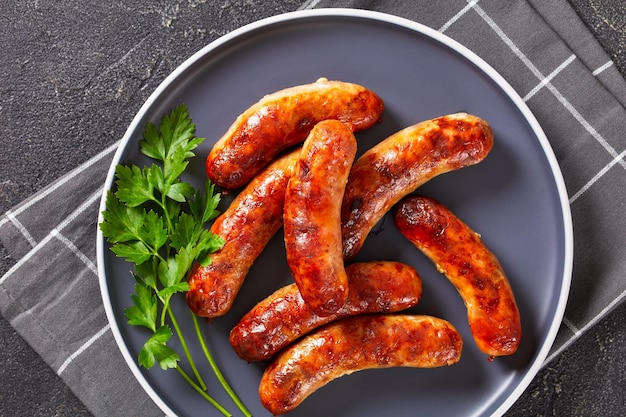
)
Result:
{"points": [[168, 219], [217, 371], [186, 349], [166, 307], [206, 396]]}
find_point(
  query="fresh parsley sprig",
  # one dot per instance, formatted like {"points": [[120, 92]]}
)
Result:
{"points": [[157, 221]]}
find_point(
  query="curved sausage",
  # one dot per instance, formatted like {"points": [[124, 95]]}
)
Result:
{"points": [[284, 316], [353, 344], [248, 224], [283, 119], [401, 163], [312, 218], [459, 253]]}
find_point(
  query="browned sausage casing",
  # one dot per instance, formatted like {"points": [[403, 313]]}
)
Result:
{"points": [[284, 316], [246, 226], [401, 163], [283, 119], [459, 253], [312, 218], [353, 344]]}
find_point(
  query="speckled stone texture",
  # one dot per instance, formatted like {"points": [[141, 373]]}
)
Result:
{"points": [[607, 21], [65, 64]]}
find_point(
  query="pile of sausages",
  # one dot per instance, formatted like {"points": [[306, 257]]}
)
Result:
{"points": [[328, 323]]}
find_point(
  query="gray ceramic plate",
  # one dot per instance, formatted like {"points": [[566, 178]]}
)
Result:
{"points": [[515, 198]]}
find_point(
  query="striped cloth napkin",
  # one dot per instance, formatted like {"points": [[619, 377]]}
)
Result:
{"points": [[50, 294]]}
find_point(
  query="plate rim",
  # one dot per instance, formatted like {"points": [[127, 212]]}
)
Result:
{"points": [[383, 17]]}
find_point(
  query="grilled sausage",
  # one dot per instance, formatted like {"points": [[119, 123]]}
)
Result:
{"points": [[353, 344], [312, 218], [248, 224], [401, 163], [284, 316], [283, 119], [459, 253]]}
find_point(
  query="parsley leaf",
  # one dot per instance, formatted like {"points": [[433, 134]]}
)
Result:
{"points": [[133, 187], [180, 191], [186, 229], [136, 252], [157, 221], [153, 232], [156, 350], [117, 225], [144, 310]]}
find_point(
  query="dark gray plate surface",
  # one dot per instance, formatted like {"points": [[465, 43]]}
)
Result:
{"points": [[515, 199]]}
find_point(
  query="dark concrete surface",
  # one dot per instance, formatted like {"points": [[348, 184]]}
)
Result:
{"points": [[607, 21], [54, 84]]}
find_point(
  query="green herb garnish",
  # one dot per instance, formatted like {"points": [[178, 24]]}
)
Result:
{"points": [[157, 221]]}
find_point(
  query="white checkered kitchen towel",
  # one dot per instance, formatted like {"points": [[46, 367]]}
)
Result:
{"points": [[541, 48]]}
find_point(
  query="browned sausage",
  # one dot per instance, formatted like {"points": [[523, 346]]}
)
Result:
{"points": [[312, 218], [284, 316], [248, 224], [353, 344], [283, 119], [459, 253], [401, 163]]}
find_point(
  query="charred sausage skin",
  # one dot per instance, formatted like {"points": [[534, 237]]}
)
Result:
{"points": [[459, 253], [283, 119], [312, 219], [251, 220], [354, 344], [404, 161], [281, 318]]}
